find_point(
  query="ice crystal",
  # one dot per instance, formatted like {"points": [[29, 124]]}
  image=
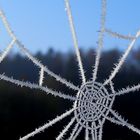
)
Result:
{"points": [[92, 105]]}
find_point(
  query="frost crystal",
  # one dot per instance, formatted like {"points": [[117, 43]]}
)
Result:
{"points": [[92, 105]]}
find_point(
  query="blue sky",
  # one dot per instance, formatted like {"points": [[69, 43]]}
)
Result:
{"points": [[41, 24]]}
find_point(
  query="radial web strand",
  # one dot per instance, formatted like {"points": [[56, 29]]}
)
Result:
{"points": [[87, 133], [70, 18], [61, 135], [100, 39], [122, 59], [127, 90], [33, 59], [45, 126], [77, 133], [120, 121], [7, 50], [74, 131], [118, 35], [41, 76], [40, 65], [36, 86], [100, 133]]}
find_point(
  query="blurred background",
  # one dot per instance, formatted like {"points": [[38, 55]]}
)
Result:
{"points": [[43, 27]]}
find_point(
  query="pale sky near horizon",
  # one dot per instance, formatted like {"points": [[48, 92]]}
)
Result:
{"points": [[44, 23]]}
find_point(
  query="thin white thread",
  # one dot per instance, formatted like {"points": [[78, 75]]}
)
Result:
{"points": [[68, 9], [52, 122], [6, 24], [120, 36], [33, 59], [100, 40], [7, 50], [74, 131], [35, 86], [121, 121], [126, 90], [41, 76], [122, 59], [61, 135]]}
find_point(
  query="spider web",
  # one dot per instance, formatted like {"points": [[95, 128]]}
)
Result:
{"points": [[92, 105]]}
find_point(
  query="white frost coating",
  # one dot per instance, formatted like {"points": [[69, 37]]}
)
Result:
{"points": [[74, 131], [100, 39], [92, 105], [77, 133], [41, 76], [100, 133], [35, 86], [7, 50], [6, 24], [52, 122], [120, 36], [93, 133], [123, 58], [87, 133], [120, 121], [112, 87], [27, 53], [68, 9], [40, 65], [61, 135], [125, 123], [127, 90]]}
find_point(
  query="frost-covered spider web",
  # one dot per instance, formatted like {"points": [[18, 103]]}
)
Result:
{"points": [[92, 105]]}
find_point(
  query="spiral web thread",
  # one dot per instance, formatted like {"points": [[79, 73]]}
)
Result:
{"points": [[92, 105]]}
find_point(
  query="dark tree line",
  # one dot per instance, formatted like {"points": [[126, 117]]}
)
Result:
{"points": [[23, 109]]}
